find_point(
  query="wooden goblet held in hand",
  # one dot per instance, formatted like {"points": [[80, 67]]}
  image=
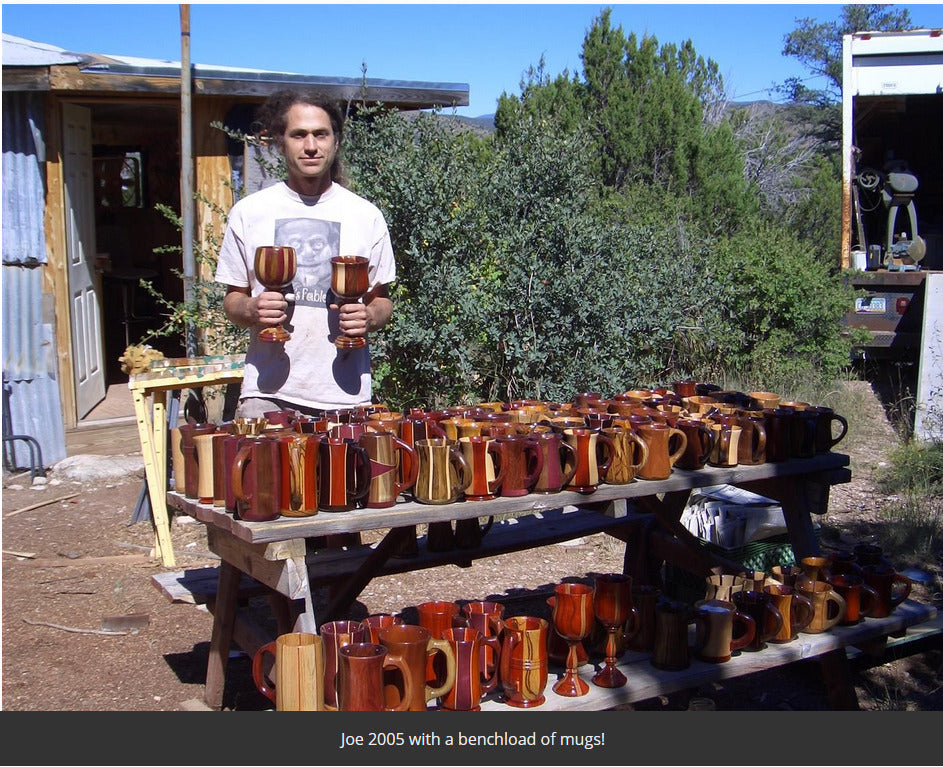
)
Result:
{"points": [[349, 282], [275, 267]]}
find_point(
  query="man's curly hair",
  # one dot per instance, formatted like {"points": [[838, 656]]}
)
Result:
{"points": [[271, 119]]}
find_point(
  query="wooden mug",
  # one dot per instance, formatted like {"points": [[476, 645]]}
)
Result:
{"points": [[414, 644], [393, 468], [716, 637], [472, 679], [592, 457], [443, 473], [828, 605], [524, 662], [299, 672], [797, 611], [360, 678], [343, 474], [256, 478], [666, 445]]}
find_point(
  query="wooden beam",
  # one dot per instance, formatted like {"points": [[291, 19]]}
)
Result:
{"points": [[25, 79], [70, 78], [55, 275]]}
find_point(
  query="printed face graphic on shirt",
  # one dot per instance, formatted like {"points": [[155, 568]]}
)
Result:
{"points": [[315, 243]]}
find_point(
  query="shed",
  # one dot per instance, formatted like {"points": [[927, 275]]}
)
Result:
{"points": [[91, 148]]}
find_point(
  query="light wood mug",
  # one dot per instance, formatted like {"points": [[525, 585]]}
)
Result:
{"points": [[299, 672]]}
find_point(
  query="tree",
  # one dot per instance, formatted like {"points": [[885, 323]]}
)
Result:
{"points": [[818, 46]]}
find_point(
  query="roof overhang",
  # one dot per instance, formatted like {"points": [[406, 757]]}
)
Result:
{"points": [[96, 74]]}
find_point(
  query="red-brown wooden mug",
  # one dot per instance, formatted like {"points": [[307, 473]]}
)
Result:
{"points": [[558, 464], [751, 450], [415, 644], [760, 606], [256, 481], [360, 678], [860, 598], [336, 635], [378, 621], [701, 440], [521, 464], [343, 474], [438, 616], [666, 445], [592, 457], [484, 462], [487, 618]]}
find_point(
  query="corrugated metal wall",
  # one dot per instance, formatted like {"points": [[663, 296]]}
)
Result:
{"points": [[30, 387]]}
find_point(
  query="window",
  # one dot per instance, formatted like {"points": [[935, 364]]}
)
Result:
{"points": [[119, 180]]}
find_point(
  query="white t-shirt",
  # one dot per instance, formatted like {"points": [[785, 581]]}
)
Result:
{"points": [[308, 369]]}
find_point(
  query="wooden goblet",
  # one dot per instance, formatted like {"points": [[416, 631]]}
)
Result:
{"points": [[612, 604], [275, 267], [573, 618], [349, 282]]}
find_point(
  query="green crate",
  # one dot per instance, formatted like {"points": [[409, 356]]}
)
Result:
{"points": [[758, 555]]}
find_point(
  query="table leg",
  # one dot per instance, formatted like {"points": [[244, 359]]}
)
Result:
{"points": [[799, 500], [342, 600], [155, 473], [224, 620], [839, 685]]}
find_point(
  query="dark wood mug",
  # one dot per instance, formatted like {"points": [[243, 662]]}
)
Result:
{"points": [[360, 678], [760, 606], [701, 440], [521, 463], [256, 476], [891, 588], [472, 680], [414, 644], [343, 474], [558, 461]]}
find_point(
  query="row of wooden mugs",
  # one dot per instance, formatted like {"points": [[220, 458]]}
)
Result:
{"points": [[292, 465]]}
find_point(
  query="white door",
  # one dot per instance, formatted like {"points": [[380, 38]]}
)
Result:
{"points": [[84, 283]]}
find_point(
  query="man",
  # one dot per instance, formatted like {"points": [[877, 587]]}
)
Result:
{"points": [[312, 212]]}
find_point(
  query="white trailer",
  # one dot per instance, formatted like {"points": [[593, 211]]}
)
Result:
{"points": [[892, 203]]}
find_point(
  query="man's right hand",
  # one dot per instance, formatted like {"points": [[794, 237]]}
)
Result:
{"points": [[264, 310]]}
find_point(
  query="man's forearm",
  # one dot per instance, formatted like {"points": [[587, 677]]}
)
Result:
{"points": [[239, 309], [379, 311]]}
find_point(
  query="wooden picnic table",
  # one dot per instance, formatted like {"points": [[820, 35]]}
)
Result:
{"points": [[278, 557]]}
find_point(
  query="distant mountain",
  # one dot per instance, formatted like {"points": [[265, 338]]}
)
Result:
{"points": [[481, 125]]}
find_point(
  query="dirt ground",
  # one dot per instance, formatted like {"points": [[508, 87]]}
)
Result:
{"points": [[74, 566]]}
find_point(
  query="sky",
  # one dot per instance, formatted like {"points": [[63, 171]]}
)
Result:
{"points": [[489, 47]]}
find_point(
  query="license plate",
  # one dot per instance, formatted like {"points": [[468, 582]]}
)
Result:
{"points": [[871, 305]]}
